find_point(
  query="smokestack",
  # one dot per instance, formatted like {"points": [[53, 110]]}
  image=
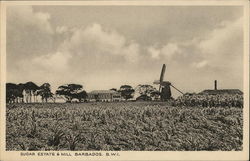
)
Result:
{"points": [[215, 85]]}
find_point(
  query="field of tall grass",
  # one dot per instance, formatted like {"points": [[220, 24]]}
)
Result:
{"points": [[123, 126]]}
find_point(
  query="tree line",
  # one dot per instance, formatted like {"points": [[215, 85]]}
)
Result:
{"points": [[15, 92], [29, 91]]}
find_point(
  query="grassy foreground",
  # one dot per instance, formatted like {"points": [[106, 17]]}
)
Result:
{"points": [[122, 126]]}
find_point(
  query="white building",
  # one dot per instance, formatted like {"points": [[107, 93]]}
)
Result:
{"points": [[104, 96]]}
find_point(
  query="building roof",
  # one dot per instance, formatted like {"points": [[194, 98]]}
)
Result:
{"points": [[222, 91], [102, 91]]}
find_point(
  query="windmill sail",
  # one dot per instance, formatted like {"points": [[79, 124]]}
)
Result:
{"points": [[162, 76], [162, 73]]}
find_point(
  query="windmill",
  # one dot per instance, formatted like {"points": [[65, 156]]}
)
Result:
{"points": [[164, 86]]}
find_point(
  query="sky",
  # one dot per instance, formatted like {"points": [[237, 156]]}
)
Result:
{"points": [[103, 47]]}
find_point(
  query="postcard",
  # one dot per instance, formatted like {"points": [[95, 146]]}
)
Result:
{"points": [[124, 80]]}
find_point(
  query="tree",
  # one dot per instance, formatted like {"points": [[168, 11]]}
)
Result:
{"points": [[20, 91], [113, 89], [81, 96], [45, 92], [14, 92], [126, 91], [11, 92], [30, 88], [70, 91], [147, 91]]}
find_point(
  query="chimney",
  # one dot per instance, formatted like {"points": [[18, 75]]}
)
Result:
{"points": [[215, 85]]}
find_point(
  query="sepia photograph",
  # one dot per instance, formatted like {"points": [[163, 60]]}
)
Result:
{"points": [[142, 78]]}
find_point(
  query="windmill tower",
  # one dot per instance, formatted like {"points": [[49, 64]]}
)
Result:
{"points": [[164, 86]]}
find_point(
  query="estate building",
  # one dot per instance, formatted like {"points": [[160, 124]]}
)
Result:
{"points": [[104, 96]]}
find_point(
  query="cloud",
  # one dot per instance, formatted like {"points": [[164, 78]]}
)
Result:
{"points": [[57, 62], [30, 34], [167, 51], [27, 16], [86, 47], [61, 29], [200, 64], [221, 54], [224, 44], [96, 40], [155, 53], [86, 54], [170, 49], [131, 52], [225, 39]]}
